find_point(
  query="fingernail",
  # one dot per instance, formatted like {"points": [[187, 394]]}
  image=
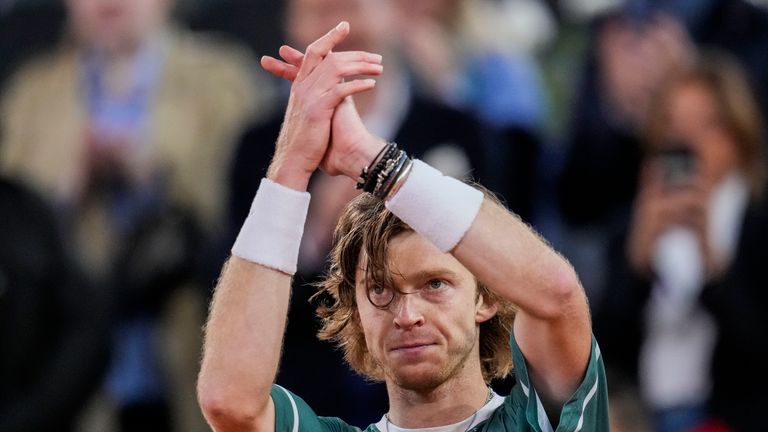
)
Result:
{"points": [[341, 26], [370, 81], [377, 58]]}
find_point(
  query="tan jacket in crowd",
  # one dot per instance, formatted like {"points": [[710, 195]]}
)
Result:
{"points": [[206, 95]]}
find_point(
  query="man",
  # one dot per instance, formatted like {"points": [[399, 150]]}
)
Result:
{"points": [[451, 140], [403, 309]]}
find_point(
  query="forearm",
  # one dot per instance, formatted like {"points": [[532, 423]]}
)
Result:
{"points": [[552, 326], [243, 342], [510, 258], [250, 305]]}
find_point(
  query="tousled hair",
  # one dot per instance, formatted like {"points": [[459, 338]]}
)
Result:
{"points": [[367, 226]]}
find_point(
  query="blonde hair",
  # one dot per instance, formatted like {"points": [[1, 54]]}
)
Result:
{"points": [[368, 226]]}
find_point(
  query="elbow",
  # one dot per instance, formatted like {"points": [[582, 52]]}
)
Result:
{"points": [[226, 411], [565, 295]]}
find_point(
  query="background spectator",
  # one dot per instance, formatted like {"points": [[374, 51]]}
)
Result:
{"points": [[127, 127], [684, 307], [54, 327], [466, 54]]}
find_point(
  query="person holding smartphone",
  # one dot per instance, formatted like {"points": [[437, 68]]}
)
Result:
{"points": [[684, 306]]}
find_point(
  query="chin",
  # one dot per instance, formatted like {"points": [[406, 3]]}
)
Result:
{"points": [[418, 377]]}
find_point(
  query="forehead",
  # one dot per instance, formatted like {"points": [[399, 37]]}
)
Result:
{"points": [[411, 256]]}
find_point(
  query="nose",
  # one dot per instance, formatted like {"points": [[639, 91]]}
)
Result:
{"points": [[407, 312]]}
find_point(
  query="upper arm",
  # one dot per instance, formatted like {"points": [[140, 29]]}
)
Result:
{"points": [[585, 408], [291, 414], [557, 354], [266, 422]]}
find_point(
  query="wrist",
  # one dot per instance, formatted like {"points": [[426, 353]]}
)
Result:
{"points": [[362, 156], [289, 176], [271, 234]]}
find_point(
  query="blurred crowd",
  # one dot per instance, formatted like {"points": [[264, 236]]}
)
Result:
{"points": [[133, 136]]}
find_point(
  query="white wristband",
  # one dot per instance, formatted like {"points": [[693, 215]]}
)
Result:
{"points": [[438, 207], [271, 234]]}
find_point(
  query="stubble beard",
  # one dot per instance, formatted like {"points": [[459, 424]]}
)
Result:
{"points": [[431, 378]]}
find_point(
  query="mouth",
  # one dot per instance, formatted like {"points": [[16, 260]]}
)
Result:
{"points": [[411, 348]]}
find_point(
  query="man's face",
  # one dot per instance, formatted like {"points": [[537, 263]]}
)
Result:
{"points": [[115, 24], [426, 338]]}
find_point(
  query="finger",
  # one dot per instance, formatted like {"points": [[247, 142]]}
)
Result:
{"points": [[344, 69], [291, 55], [332, 71], [295, 57], [320, 48], [278, 68], [339, 65], [338, 93]]}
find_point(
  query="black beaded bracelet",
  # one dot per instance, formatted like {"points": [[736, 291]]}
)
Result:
{"points": [[365, 173], [369, 176], [386, 172]]}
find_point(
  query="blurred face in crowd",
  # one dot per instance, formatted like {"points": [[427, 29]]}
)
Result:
{"points": [[443, 11], [116, 25], [693, 117], [370, 20]]}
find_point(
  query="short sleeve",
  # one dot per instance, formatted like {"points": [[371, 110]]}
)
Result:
{"points": [[292, 414], [586, 410]]}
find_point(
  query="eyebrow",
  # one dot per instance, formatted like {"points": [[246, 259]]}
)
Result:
{"points": [[437, 273]]}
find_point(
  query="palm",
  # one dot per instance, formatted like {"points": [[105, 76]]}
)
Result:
{"points": [[346, 130]]}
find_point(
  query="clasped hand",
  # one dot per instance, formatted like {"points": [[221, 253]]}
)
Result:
{"points": [[322, 128]]}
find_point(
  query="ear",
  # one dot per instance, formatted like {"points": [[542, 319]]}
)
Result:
{"points": [[484, 309]]}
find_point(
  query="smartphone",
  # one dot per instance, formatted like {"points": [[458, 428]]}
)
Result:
{"points": [[678, 165]]}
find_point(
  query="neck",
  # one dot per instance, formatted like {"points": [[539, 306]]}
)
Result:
{"points": [[118, 66], [448, 403], [118, 73], [127, 49]]}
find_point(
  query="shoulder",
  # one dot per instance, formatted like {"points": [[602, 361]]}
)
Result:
{"points": [[42, 72], [214, 62], [210, 58], [587, 409], [207, 49], [292, 414]]}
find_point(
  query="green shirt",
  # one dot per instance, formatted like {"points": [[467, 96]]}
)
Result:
{"points": [[586, 410]]}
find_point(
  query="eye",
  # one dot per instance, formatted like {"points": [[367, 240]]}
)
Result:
{"points": [[379, 295], [436, 284]]}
